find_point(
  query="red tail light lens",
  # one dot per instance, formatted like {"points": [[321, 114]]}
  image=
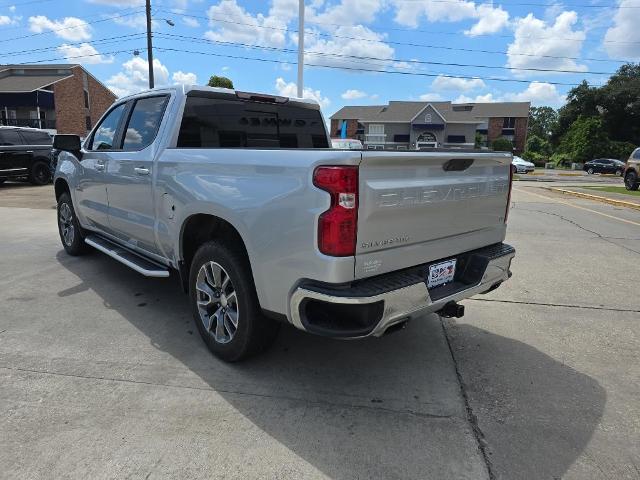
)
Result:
{"points": [[506, 212], [337, 227]]}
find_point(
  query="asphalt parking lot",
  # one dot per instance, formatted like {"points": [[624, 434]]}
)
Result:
{"points": [[103, 375]]}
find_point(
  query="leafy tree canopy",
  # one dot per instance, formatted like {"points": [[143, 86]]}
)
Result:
{"points": [[502, 145], [222, 82], [542, 121]]}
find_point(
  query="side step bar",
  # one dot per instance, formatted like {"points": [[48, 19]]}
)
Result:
{"points": [[127, 257]]}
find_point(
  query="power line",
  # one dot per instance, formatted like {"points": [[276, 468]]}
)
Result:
{"points": [[411, 44], [529, 4], [358, 57], [115, 52], [396, 72], [106, 19], [125, 38], [14, 4]]}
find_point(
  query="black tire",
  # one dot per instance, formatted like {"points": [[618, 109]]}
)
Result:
{"points": [[2, 180], [514, 170], [71, 233], [619, 173], [590, 171], [631, 181], [253, 332], [40, 173]]}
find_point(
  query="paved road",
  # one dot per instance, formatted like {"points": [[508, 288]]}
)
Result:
{"points": [[102, 374]]}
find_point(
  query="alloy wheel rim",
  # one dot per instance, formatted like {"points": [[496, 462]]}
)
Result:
{"points": [[217, 302], [65, 219]]}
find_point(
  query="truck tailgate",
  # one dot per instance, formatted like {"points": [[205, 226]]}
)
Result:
{"points": [[416, 207]]}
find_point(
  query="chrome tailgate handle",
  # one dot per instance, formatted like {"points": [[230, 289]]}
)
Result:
{"points": [[141, 170]]}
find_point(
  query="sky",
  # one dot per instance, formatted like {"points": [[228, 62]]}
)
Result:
{"points": [[357, 52]]}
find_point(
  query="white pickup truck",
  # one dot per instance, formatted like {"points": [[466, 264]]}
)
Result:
{"points": [[241, 195]]}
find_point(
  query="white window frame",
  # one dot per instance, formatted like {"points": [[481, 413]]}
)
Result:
{"points": [[428, 118]]}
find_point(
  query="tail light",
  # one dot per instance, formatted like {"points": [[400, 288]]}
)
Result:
{"points": [[506, 211], [337, 227]]}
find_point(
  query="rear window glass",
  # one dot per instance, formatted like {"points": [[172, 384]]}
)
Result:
{"points": [[636, 154], [221, 123], [36, 138]]}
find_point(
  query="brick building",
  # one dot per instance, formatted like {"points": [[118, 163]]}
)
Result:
{"points": [[417, 125], [59, 98]]}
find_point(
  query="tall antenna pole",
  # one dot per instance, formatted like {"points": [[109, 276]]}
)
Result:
{"points": [[149, 44], [300, 45]]}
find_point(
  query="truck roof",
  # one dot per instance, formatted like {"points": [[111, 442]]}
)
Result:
{"points": [[186, 89]]}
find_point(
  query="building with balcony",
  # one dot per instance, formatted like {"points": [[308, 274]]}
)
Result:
{"points": [[419, 125], [60, 98]]}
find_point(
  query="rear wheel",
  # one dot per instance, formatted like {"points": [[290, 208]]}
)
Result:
{"points": [[225, 305], [71, 233], [590, 171], [40, 173], [2, 180], [618, 173], [631, 181], [514, 169]]}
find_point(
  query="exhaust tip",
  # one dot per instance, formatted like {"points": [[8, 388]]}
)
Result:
{"points": [[452, 310]]}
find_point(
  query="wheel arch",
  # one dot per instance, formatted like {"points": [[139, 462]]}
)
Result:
{"points": [[199, 228], [61, 186]]}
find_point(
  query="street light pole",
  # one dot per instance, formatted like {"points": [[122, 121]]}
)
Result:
{"points": [[300, 45], [149, 43]]}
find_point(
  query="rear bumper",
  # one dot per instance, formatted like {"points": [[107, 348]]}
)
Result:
{"points": [[370, 307]]}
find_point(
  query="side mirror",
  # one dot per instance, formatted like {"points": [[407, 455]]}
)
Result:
{"points": [[68, 143]]}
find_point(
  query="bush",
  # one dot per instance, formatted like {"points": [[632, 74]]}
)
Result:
{"points": [[537, 159], [620, 150], [561, 160], [502, 145]]}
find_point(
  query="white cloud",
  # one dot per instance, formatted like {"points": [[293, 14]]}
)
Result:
{"points": [[70, 28], [431, 97], [4, 20], [183, 78], [84, 53], [226, 68], [375, 96], [135, 76], [457, 84], [12, 8], [347, 12], [538, 93], [373, 46], [291, 90], [535, 37], [352, 94], [133, 21], [623, 38], [266, 30], [490, 19], [190, 22]]}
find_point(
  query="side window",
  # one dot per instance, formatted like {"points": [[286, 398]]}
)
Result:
{"points": [[104, 135], [636, 154], [10, 137], [144, 122]]}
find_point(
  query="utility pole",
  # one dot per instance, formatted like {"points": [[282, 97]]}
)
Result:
{"points": [[300, 45], [150, 43]]}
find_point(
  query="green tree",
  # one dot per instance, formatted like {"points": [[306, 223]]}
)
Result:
{"points": [[222, 82], [585, 140], [536, 144], [582, 100], [542, 122], [502, 145]]}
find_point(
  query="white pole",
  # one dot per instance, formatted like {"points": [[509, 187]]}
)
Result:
{"points": [[300, 45]]}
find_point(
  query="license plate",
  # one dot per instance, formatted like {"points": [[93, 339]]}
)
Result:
{"points": [[441, 273]]}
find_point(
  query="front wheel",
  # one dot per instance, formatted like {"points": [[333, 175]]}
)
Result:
{"points": [[619, 173], [71, 233], [225, 305], [40, 173], [631, 181], [590, 171]]}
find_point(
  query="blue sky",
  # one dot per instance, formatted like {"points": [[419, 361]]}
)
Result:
{"points": [[438, 47]]}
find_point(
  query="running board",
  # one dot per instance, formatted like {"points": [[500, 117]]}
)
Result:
{"points": [[127, 257]]}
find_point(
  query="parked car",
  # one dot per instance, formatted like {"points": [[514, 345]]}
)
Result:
{"points": [[25, 154], [520, 165], [604, 165], [241, 195], [346, 143], [632, 171]]}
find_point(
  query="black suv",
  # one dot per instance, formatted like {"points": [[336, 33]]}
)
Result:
{"points": [[25, 153]]}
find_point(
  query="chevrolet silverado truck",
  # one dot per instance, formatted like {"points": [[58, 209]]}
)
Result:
{"points": [[262, 222]]}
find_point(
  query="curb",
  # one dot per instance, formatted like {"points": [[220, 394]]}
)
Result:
{"points": [[597, 198]]}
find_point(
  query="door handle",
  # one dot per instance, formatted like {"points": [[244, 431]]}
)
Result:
{"points": [[141, 170], [100, 167], [29, 151]]}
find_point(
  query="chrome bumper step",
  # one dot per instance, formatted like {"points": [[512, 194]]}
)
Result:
{"points": [[127, 257]]}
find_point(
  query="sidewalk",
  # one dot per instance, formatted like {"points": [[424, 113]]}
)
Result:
{"points": [[613, 198]]}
